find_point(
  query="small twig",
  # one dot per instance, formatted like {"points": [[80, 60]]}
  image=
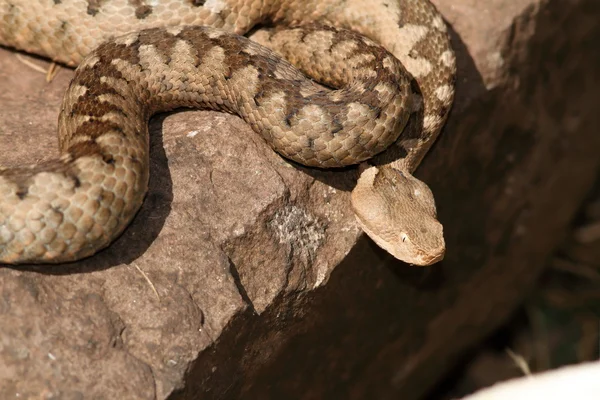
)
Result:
{"points": [[519, 361], [31, 64], [50, 72], [147, 280]]}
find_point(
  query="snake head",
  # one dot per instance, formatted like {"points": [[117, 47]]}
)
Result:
{"points": [[398, 212]]}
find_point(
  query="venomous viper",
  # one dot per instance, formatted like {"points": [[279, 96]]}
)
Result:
{"points": [[71, 207]]}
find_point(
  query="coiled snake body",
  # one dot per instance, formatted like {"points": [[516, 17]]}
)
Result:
{"points": [[71, 207]]}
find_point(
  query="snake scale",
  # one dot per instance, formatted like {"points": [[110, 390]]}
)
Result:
{"points": [[394, 87]]}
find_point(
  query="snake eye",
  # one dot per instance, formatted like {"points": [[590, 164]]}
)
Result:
{"points": [[404, 237]]}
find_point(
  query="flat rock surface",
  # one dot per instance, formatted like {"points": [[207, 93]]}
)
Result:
{"points": [[234, 280]]}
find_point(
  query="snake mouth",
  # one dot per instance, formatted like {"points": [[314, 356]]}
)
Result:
{"points": [[401, 251], [432, 255], [417, 258], [426, 259]]}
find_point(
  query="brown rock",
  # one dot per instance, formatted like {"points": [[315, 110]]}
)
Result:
{"points": [[230, 282], [227, 226]]}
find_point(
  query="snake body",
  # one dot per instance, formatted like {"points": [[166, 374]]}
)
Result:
{"points": [[69, 208]]}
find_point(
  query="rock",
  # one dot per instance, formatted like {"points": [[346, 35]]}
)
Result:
{"points": [[236, 279], [227, 227]]}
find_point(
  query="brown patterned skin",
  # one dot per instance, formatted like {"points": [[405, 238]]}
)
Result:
{"points": [[70, 208]]}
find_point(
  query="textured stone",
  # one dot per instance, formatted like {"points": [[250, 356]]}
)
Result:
{"points": [[227, 226], [230, 282]]}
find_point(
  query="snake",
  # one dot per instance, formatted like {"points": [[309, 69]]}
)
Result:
{"points": [[385, 71]]}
